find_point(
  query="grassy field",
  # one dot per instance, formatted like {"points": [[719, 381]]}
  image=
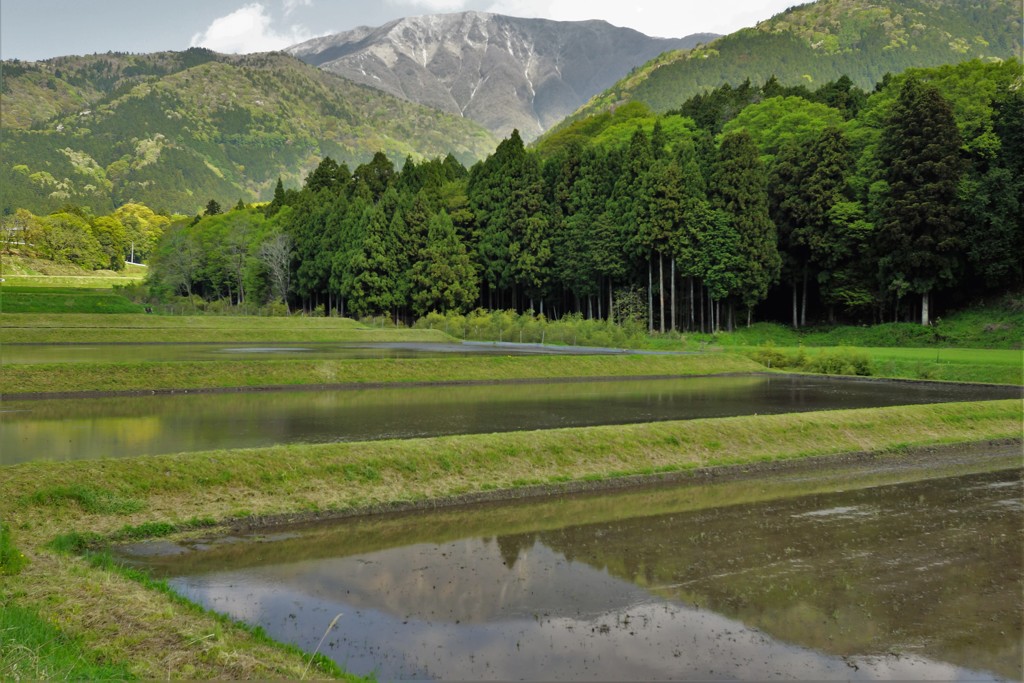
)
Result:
{"points": [[197, 325], [995, 366], [133, 328], [121, 618], [107, 282], [17, 266], [998, 366], [110, 622], [997, 325], [71, 377], [978, 345], [24, 272], [56, 300]]}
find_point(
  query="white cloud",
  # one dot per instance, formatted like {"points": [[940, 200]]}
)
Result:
{"points": [[246, 30], [430, 6], [292, 5]]}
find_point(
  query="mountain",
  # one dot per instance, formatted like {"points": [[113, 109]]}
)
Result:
{"points": [[503, 72], [819, 42], [173, 130]]}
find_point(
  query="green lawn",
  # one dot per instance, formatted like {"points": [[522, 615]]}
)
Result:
{"points": [[994, 366], [64, 300]]}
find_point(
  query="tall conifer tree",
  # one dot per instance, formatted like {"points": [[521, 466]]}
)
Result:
{"points": [[739, 184], [920, 244]]}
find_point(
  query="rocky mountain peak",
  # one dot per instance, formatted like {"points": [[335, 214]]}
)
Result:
{"points": [[503, 72]]}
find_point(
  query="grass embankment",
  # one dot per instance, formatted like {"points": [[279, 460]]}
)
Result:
{"points": [[20, 270], [998, 326], [49, 299], [44, 328], [995, 366], [73, 377], [118, 618]]}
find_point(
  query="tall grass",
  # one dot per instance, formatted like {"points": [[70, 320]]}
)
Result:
{"points": [[32, 648], [527, 328], [991, 327], [11, 559]]}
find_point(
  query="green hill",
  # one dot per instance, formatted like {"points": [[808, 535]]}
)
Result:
{"points": [[819, 42], [172, 130]]}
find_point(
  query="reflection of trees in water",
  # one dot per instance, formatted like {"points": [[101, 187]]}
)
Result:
{"points": [[512, 546], [933, 565]]}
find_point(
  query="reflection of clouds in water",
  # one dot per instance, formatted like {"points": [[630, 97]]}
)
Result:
{"points": [[456, 610], [842, 512], [466, 581]]}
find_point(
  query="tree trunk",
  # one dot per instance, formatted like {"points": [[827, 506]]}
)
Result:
{"points": [[703, 327], [803, 305], [611, 302], [750, 315], [672, 318], [796, 321], [693, 305], [661, 292], [650, 295], [600, 305], [925, 313]]}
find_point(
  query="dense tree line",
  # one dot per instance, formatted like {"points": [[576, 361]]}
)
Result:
{"points": [[749, 201], [75, 235]]}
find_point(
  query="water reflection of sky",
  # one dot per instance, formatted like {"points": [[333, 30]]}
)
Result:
{"points": [[458, 611], [18, 353], [68, 428]]}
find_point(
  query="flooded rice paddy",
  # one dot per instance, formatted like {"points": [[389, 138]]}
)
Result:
{"points": [[77, 428], [906, 568]]}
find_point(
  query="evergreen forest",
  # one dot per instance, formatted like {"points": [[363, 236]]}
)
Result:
{"points": [[748, 202]]}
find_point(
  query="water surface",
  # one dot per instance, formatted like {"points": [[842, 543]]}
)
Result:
{"points": [[907, 569], [76, 428], [200, 351]]}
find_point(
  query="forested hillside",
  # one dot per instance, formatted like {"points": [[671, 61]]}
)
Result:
{"points": [[762, 201], [819, 42], [172, 129]]}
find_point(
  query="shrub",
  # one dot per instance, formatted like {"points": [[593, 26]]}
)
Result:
{"points": [[770, 357], [276, 309], [840, 362]]}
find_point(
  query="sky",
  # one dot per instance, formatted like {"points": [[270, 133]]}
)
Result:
{"points": [[40, 29]]}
